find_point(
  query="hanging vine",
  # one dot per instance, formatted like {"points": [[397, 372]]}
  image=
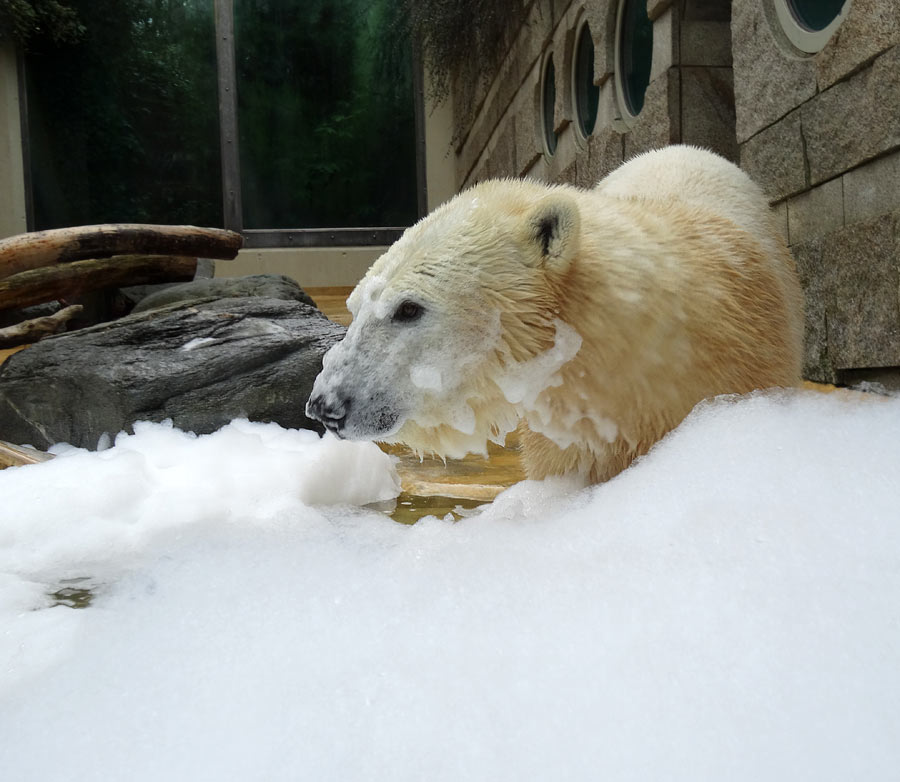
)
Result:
{"points": [[460, 38]]}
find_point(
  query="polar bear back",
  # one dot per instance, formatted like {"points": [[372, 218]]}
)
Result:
{"points": [[696, 177]]}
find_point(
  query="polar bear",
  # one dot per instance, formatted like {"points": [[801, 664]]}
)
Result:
{"points": [[592, 319]]}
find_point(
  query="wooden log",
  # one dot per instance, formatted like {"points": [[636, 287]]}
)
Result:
{"points": [[62, 245], [32, 330], [72, 279], [17, 455]]}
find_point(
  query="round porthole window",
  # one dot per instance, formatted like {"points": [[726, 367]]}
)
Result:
{"points": [[548, 106], [587, 94], [634, 56], [809, 24]]}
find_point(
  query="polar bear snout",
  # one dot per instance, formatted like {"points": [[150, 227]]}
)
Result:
{"points": [[369, 417], [329, 410]]}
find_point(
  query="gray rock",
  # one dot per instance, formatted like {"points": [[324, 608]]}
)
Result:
{"points": [[268, 286], [200, 365]]}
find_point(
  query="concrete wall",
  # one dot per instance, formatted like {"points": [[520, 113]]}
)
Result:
{"points": [[12, 179], [821, 134]]}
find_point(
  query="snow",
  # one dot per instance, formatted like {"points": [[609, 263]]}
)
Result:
{"points": [[727, 608]]}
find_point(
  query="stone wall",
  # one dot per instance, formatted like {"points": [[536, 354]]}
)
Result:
{"points": [[821, 134], [690, 99], [12, 171]]}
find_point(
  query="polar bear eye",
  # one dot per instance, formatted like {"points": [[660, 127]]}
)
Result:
{"points": [[407, 312]]}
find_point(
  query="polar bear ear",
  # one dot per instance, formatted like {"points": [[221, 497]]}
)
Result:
{"points": [[553, 226]]}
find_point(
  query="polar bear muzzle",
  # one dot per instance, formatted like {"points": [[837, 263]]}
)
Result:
{"points": [[340, 414]]}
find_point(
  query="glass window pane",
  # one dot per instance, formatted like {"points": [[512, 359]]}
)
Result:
{"points": [[587, 94], [635, 53], [123, 125], [326, 115], [816, 14]]}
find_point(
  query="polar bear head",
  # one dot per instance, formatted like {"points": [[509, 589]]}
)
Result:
{"points": [[456, 326]]}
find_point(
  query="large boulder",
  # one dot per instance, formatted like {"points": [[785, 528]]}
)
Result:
{"points": [[201, 364], [267, 286]]}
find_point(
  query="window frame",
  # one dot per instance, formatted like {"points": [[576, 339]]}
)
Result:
{"points": [[363, 236], [548, 123], [232, 213], [807, 42], [583, 28], [626, 116]]}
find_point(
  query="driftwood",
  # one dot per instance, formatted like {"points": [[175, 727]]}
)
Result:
{"points": [[62, 245], [32, 330], [72, 279], [17, 455]]}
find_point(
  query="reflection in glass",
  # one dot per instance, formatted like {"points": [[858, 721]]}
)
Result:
{"points": [[587, 94], [326, 115], [123, 124], [635, 53], [815, 15]]}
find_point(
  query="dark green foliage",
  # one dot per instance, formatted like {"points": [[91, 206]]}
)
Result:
{"points": [[461, 38], [325, 107], [123, 124], [24, 20]]}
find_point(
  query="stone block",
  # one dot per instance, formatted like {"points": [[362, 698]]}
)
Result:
{"points": [[605, 153], [656, 8], [707, 110], [601, 17], [527, 129], [872, 189], [781, 219], [816, 363], [856, 120], [503, 152], [568, 176], [863, 293], [767, 84], [665, 43], [706, 10], [704, 43], [871, 27], [816, 212], [659, 123], [774, 158]]}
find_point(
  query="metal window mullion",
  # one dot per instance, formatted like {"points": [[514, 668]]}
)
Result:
{"points": [[228, 118], [418, 70]]}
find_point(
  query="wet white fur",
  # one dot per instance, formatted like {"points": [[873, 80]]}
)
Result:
{"points": [[665, 284]]}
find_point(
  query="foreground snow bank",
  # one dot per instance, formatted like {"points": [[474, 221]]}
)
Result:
{"points": [[728, 608]]}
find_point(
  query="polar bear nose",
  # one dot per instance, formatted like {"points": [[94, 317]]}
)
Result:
{"points": [[328, 410]]}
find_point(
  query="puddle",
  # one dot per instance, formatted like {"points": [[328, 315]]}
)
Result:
{"points": [[74, 592]]}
